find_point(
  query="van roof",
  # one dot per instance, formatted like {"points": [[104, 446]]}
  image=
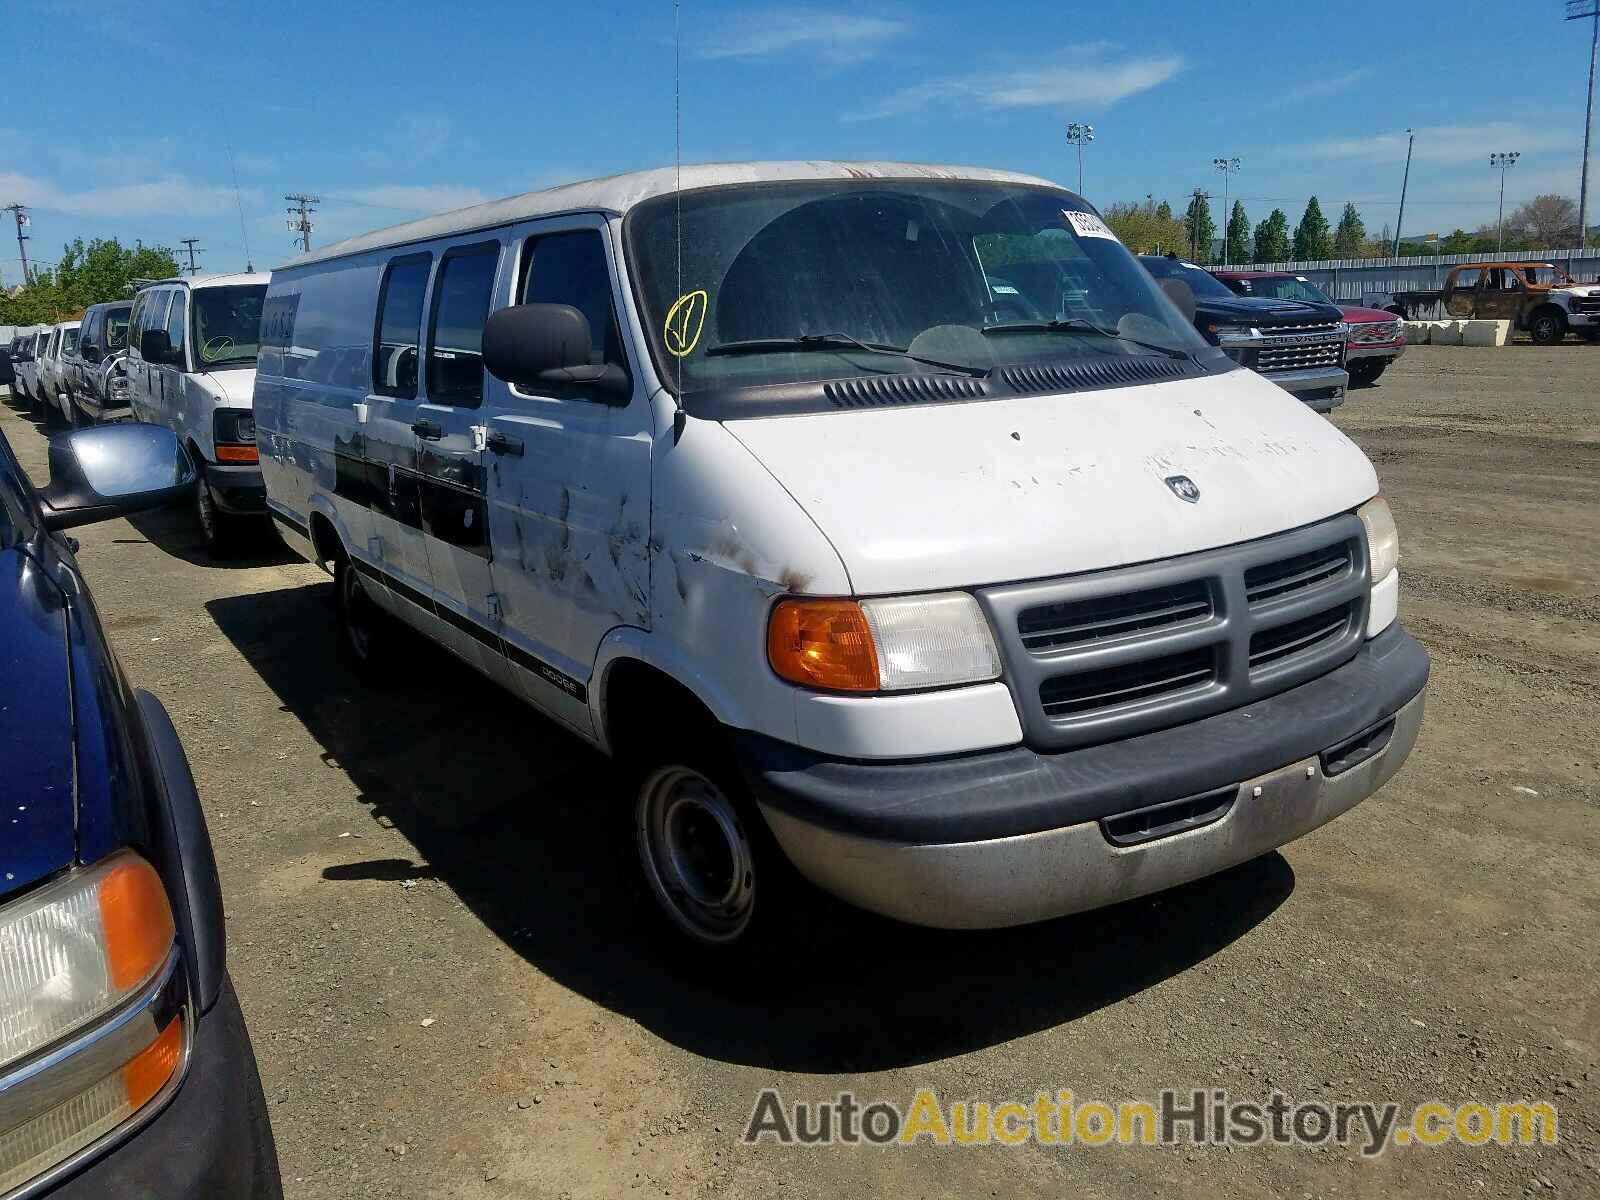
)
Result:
{"points": [[221, 279], [616, 194]]}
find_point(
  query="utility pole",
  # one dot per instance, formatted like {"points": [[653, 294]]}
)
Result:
{"points": [[1225, 167], [1577, 10], [20, 212], [1503, 163], [1080, 136], [1399, 220], [189, 244], [300, 218]]}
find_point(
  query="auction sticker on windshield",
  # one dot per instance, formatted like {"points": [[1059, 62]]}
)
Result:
{"points": [[1087, 224]]}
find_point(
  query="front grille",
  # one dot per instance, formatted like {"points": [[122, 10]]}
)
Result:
{"points": [[1586, 306], [1300, 358], [1105, 618], [1275, 580], [1374, 331], [1304, 636], [1068, 695], [1108, 654], [1329, 329]]}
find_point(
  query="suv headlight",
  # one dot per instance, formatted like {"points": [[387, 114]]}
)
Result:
{"points": [[79, 1055], [886, 645], [1235, 335]]}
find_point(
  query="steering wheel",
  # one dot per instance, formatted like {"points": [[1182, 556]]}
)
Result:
{"points": [[214, 347]]}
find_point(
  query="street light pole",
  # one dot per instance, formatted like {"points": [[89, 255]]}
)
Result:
{"points": [[1225, 167], [1080, 135], [1405, 179], [1503, 162], [1577, 10]]}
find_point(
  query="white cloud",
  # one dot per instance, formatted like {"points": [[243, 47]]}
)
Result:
{"points": [[835, 36], [1442, 144], [172, 195], [1091, 75], [1330, 85]]}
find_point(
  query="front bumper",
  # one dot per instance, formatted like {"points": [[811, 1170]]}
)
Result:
{"points": [[237, 489], [1321, 388], [1583, 320], [1384, 350], [212, 1139], [1015, 836]]}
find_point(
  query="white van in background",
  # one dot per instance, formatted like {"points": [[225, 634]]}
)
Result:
{"points": [[53, 382], [886, 520], [191, 366]]}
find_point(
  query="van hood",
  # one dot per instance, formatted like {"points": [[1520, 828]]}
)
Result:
{"points": [[235, 387], [969, 494]]}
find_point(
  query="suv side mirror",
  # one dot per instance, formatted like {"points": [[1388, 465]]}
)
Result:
{"points": [[548, 345], [110, 471], [154, 346]]}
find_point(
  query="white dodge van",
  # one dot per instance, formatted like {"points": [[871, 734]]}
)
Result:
{"points": [[888, 521], [191, 366]]}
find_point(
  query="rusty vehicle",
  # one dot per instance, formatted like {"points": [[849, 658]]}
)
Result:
{"points": [[1538, 298]]}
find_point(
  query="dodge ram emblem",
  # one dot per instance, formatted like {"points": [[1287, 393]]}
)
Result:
{"points": [[1184, 488]]}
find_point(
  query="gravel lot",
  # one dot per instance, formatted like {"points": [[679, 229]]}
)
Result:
{"points": [[454, 990]]}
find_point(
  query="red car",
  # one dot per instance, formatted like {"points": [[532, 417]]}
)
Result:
{"points": [[1376, 337]]}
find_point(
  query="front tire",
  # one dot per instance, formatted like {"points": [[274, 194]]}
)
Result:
{"points": [[1365, 374], [1548, 327], [710, 864], [219, 530], [366, 631]]}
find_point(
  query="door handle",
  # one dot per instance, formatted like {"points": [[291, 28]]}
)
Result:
{"points": [[425, 428], [501, 444]]}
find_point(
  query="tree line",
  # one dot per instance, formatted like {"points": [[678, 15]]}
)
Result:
{"points": [[1546, 222], [103, 269]]}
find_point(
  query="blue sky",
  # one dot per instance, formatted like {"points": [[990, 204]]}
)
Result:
{"points": [[118, 118]]}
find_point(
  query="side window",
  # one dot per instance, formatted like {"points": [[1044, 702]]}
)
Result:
{"points": [[394, 348], [461, 296], [570, 268], [1466, 279], [1510, 281], [136, 318], [175, 324]]}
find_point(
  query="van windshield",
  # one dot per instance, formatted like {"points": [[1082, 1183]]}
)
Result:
{"points": [[227, 323], [797, 282]]}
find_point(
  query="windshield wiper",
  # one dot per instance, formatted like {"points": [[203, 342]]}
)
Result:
{"points": [[836, 341], [1079, 325]]}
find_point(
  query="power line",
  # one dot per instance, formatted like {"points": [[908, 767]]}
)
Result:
{"points": [[189, 244], [300, 218]]}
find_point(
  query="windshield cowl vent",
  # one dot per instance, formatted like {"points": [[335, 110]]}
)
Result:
{"points": [[880, 390], [1117, 372]]}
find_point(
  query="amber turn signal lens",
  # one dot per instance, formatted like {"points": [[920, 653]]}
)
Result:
{"points": [[237, 454], [149, 1071], [137, 921], [823, 644]]}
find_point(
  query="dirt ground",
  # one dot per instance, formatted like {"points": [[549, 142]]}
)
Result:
{"points": [[454, 989]]}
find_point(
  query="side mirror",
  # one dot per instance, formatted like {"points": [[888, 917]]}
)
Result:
{"points": [[1182, 295], [110, 471], [91, 352], [548, 345], [154, 347]]}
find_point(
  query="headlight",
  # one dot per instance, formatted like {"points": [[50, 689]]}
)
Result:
{"points": [[1383, 539], [894, 644], [75, 1061], [1235, 335]]}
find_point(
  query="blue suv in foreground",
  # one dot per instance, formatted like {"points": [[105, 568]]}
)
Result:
{"points": [[125, 1066]]}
